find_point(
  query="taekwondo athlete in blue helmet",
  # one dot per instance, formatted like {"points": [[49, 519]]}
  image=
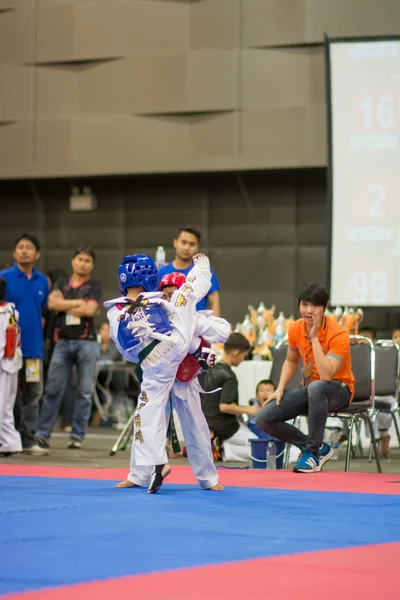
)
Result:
{"points": [[158, 335]]}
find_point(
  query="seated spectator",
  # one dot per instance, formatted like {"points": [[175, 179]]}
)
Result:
{"points": [[369, 332], [221, 408], [265, 388], [118, 383], [323, 345]]}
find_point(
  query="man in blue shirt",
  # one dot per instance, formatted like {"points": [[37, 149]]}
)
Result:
{"points": [[186, 245], [28, 289]]}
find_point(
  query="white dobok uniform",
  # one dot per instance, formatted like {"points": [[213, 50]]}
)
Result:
{"points": [[10, 440], [159, 372]]}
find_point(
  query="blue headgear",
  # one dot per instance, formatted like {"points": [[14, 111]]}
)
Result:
{"points": [[138, 270]]}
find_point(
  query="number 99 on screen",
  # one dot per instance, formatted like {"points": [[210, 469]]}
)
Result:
{"points": [[369, 289]]}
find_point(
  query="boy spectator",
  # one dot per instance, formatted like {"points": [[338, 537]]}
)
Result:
{"points": [[10, 363], [186, 246], [265, 388], [221, 408], [76, 301], [28, 290]]}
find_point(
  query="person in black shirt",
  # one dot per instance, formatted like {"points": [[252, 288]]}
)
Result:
{"points": [[76, 301], [221, 408]]}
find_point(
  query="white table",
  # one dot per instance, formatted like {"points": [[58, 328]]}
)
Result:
{"points": [[249, 373]]}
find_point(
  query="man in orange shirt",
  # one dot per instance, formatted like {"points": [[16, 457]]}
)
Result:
{"points": [[328, 382]]}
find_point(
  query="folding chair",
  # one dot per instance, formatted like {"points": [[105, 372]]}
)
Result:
{"points": [[387, 366], [363, 404]]}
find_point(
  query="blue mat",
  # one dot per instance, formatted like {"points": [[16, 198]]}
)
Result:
{"points": [[64, 531]]}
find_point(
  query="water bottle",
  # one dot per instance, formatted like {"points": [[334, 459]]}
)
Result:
{"points": [[160, 256], [271, 456]]}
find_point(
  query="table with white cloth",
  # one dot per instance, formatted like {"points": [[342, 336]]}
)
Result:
{"points": [[249, 373]]}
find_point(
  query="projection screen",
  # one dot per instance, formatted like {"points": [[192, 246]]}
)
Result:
{"points": [[364, 169]]}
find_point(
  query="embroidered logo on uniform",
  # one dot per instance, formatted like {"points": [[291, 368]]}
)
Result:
{"points": [[190, 279], [137, 421], [141, 405], [187, 288], [139, 437], [181, 301], [143, 397]]}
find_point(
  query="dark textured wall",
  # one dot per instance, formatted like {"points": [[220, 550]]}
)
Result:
{"points": [[266, 232]]}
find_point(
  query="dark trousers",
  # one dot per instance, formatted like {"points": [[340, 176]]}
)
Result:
{"points": [[26, 410], [316, 401]]}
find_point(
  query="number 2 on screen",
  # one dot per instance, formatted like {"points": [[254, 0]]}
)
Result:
{"points": [[369, 289], [378, 192], [383, 108]]}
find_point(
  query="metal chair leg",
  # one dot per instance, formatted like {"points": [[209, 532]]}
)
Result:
{"points": [[373, 442], [349, 443], [287, 447], [355, 446], [373, 421], [359, 445], [127, 431]]}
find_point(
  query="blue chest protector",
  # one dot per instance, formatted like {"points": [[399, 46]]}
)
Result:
{"points": [[141, 320]]}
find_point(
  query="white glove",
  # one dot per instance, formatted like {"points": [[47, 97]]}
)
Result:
{"points": [[142, 327]]}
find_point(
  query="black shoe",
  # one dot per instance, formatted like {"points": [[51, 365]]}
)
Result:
{"points": [[158, 477], [74, 444]]}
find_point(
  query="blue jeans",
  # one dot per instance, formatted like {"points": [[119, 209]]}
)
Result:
{"points": [[84, 354], [319, 398], [26, 409]]}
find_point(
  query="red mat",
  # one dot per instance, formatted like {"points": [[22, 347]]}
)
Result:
{"points": [[367, 572], [364, 483]]}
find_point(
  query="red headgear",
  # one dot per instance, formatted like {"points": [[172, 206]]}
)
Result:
{"points": [[176, 279]]}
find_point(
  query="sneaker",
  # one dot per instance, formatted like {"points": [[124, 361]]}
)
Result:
{"points": [[39, 449], [74, 444], [325, 453], [308, 463]]}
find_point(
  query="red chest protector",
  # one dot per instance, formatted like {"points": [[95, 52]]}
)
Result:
{"points": [[12, 335], [188, 369], [201, 360]]}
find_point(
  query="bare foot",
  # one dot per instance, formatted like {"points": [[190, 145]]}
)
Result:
{"points": [[126, 484], [217, 488]]}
